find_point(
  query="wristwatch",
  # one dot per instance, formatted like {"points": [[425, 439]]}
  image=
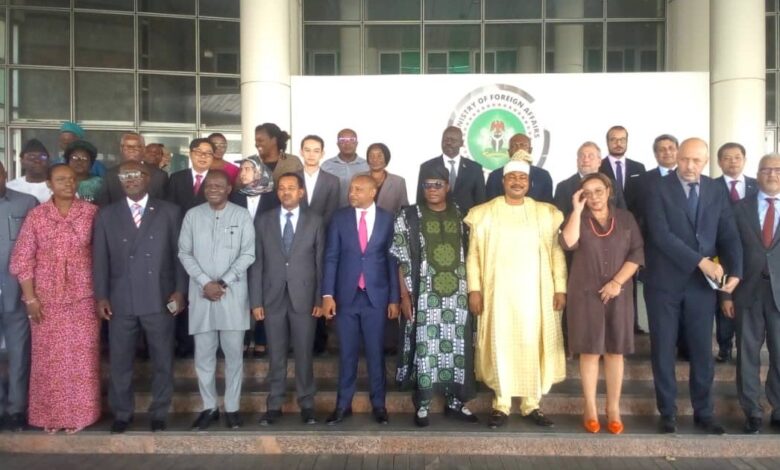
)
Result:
{"points": [[222, 284]]}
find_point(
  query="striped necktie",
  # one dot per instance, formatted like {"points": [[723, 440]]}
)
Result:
{"points": [[137, 214]]}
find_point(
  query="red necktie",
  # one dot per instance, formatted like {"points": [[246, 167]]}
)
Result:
{"points": [[767, 231], [363, 237], [733, 194], [198, 181]]}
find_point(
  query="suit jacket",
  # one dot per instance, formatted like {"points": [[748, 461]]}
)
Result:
{"points": [[274, 273], [541, 189], [324, 197], [344, 261], [268, 201], [112, 191], [756, 257], [629, 196], [13, 210], [677, 244], [393, 195], [751, 186], [564, 191], [137, 268], [647, 181], [469, 185], [180, 190]]}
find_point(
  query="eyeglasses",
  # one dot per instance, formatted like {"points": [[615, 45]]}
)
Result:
{"points": [[343, 140], [35, 156], [130, 175], [132, 147], [79, 158], [769, 171], [220, 146], [618, 140], [595, 192], [433, 184], [202, 153]]}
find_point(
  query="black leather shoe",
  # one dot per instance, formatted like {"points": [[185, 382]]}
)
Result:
{"points": [[307, 416], [775, 424], [380, 415], [497, 419], [710, 426], [539, 419], [205, 418], [752, 425], [233, 420], [421, 421], [461, 414], [723, 356], [158, 425], [17, 422], [270, 417], [119, 426], [667, 425], [339, 414]]}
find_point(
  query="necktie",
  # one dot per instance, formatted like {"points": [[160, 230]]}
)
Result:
{"points": [[287, 233], [693, 202], [453, 176], [619, 174], [768, 230], [363, 238], [198, 181], [733, 194], [137, 214]]}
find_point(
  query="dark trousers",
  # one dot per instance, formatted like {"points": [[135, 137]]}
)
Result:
{"points": [[755, 324], [724, 331], [354, 322], [123, 333], [15, 327], [695, 306], [184, 342], [256, 334]]}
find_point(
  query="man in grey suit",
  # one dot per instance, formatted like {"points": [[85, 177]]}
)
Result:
{"points": [[216, 247], [14, 324], [588, 161], [756, 300], [285, 292], [139, 285]]}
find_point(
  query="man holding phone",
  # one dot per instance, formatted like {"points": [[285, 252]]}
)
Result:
{"points": [[139, 285]]}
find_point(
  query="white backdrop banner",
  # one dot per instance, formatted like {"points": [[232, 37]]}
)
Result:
{"points": [[557, 111]]}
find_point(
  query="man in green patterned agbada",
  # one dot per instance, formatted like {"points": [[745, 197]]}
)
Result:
{"points": [[437, 335]]}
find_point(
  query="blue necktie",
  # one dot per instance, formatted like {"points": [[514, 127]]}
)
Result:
{"points": [[619, 174], [693, 202], [287, 234]]}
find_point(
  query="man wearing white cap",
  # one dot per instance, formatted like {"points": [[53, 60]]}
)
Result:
{"points": [[517, 286]]}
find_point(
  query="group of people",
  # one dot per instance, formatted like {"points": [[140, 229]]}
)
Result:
{"points": [[468, 284]]}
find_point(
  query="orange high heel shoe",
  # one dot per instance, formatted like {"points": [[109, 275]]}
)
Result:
{"points": [[615, 427], [592, 426]]}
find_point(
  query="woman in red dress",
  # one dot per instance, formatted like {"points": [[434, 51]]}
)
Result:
{"points": [[53, 261]]}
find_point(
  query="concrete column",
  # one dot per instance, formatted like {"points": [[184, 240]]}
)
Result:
{"points": [[350, 42], [265, 67], [569, 39], [688, 35], [528, 59], [296, 37], [737, 78]]}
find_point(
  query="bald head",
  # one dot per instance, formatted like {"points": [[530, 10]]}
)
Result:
{"points": [[692, 158]]}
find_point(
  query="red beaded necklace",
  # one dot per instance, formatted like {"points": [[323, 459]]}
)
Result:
{"points": [[596, 232]]}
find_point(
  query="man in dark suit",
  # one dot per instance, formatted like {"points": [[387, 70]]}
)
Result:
{"points": [[731, 160], [467, 180], [541, 183], [131, 148], [139, 285], [284, 291], [588, 161], [756, 301], [623, 171], [360, 282], [690, 222]]}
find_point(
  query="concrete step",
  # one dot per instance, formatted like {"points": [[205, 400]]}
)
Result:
{"points": [[359, 434]]}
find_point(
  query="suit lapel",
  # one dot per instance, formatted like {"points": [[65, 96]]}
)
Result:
{"points": [[678, 193], [276, 230], [147, 219], [297, 230]]}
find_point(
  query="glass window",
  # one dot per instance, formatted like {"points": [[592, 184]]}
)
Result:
{"points": [[770, 6], [452, 49], [392, 49], [40, 38], [513, 48], [105, 97], [771, 42], [452, 10], [167, 99], [107, 145], [220, 8], [396, 10], [40, 94], [219, 50], [771, 99], [332, 50], [220, 102], [574, 48], [2, 35], [104, 40], [177, 7], [49, 138], [2, 96], [330, 10], [119, 5], [42, 3], [635, 9], [634, 47], [573, 9], [512, 9], [166, 44]]}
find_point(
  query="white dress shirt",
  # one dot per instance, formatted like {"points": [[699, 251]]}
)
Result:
{"points": [[447, 160], [763, 206], [142, 203], [252, 203], [195, 180], [370, 217], [310, 181], [740, 185], [622, 160], [293, 220]]}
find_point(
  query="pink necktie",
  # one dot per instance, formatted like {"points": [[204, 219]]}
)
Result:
{"points": [[198, 181], [137, 214], [363, 237], [733, 194]]}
